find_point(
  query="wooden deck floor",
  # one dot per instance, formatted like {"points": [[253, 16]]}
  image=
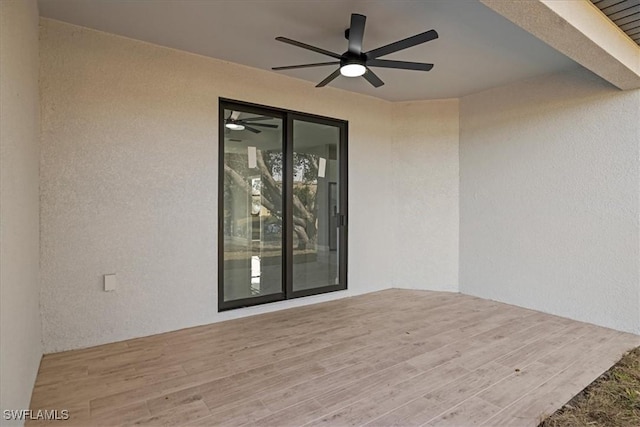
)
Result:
{"points": [[396, 357]]}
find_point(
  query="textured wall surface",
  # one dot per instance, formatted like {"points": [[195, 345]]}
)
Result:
{"points": [[426, 180], [541, 210], [129, 184], [20, 327], [549, 173]]}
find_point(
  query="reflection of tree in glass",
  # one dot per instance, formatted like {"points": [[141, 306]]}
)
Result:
{"points": [[269, 165]]}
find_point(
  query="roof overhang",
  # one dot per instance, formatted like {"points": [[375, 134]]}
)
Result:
{"points": [[582, 32]]}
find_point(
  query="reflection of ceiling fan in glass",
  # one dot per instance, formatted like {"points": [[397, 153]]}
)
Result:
{"points": [[234, 122]]}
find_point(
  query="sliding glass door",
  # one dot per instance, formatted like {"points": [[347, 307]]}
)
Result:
{"points": [[282, 205], [252, 202], [317, 213]]}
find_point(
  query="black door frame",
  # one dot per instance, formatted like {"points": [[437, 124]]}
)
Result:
{"points": [[287, 117]]}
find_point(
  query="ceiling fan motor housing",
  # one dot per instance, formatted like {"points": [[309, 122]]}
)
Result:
{"points": [[352, 58]]}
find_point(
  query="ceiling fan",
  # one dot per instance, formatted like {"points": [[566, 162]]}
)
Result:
{"points": [[234, 122], [354, 62]]}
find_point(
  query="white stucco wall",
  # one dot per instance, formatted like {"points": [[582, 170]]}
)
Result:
{"points": [[20, 327], [538, 207], [426, 180], [549, 173], [129, 184]]}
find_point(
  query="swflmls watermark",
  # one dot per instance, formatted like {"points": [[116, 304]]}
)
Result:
{"points": [[40, 414]]}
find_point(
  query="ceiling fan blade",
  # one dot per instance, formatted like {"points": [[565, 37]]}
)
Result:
{"points": [[403, 44], [261, 125], [372, 78], [402, 65], [234, 115], [253, 119], [331, 76], [318, 64], [356, 33], [308, 47], [250, 129]]}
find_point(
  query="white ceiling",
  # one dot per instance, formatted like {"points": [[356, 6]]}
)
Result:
{"points": [[477, 49]]}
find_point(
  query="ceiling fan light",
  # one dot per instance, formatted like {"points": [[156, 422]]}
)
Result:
{"points": [[234, 126], [353, 70]]}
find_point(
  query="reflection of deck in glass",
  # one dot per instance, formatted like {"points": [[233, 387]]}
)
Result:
{"points": [[314, 268], [255, 275]]}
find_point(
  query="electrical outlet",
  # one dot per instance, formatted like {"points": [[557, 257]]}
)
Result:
{"points": [[110, 282]]}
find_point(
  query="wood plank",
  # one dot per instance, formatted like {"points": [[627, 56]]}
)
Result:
{"points": [[414, 413], [385, 400], [280, 399], [469, 385], [294, 416], [246, 412], [551, 394], [510, 389], [471, 412], [539, 348], [395, 357], [180, 415], [340, 397]]}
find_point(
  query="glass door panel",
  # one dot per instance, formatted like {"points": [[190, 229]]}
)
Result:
{"points": [[252, 225], [282, 205], [316, 205]]}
